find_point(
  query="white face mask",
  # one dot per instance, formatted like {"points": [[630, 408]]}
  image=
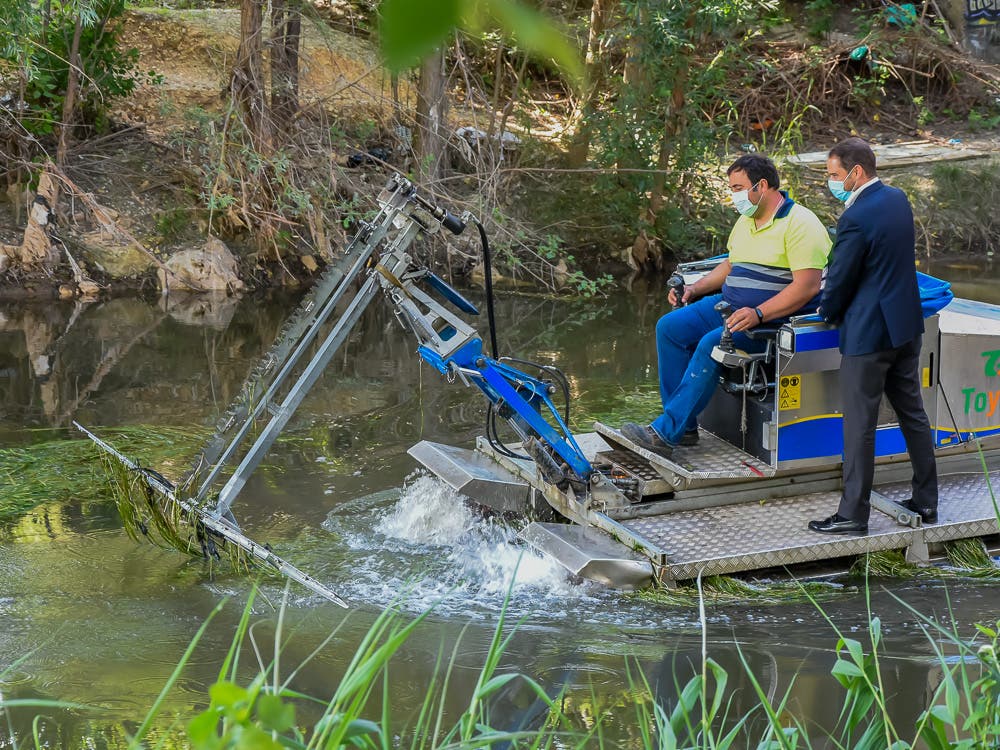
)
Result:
{"points": [[743, 204]]}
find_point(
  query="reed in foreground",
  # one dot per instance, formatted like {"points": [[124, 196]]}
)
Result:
{"points": [[258, 706]]}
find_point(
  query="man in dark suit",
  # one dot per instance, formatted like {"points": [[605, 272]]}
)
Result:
{"points": [[871, 293]]}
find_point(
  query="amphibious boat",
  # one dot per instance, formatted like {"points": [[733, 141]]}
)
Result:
{"points": [[768, 458]]}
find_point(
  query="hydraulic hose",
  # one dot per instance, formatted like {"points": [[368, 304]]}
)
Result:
{"points": [[488, 275]]}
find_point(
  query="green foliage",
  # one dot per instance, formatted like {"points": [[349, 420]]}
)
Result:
{"points": [[518, 254], [272, 194], [924, 114], [36, 45], [819, 16], [963, 199], [587, 286], [411, 30], [172, 222], [670, 114], [258, 706], [980, 120], [241, 718], [869, 88]]}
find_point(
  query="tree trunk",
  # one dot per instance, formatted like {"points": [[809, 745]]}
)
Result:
{"points": [[286, 25], [37, 250], [646, 250], [69, 101], [432, 109], [247, 83], [600, 14]]}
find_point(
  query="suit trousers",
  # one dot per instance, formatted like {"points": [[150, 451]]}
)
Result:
{"points": [[863, 380]]}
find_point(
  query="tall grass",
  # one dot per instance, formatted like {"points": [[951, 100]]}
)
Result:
{"points": [[258, 705]]}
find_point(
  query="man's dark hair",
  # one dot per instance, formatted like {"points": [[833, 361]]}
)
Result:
{"points": [[758, 167], [855, 151]]}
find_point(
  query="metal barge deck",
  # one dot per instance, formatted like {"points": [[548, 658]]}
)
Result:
{"points": [[736, 528]]}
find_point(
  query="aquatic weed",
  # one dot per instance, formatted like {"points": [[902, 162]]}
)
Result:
{"points": [[720, 590], [63, 469]]}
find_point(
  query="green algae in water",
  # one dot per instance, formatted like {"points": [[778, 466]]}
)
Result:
{"points": [[70, 469], [149, 516], [730, 590], [971, 558], [76, 470], [890, 563], [967, 558]]}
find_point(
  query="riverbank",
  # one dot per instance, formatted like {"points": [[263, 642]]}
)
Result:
{"points": [[161, 183]]}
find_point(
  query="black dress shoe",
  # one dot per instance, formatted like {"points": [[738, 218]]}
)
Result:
{"points": [[927, 515], [645, 437], [836, 524]]}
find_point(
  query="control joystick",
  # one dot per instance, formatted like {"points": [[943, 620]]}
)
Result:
{"points": [[676, 282], [726, 341]]}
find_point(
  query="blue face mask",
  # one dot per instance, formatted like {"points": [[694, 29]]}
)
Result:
{"points": [[837, 189]]}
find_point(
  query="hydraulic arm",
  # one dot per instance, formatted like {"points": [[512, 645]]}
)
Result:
{"points": [[375, 261]]}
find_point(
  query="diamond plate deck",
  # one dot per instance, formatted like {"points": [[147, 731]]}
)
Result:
{"points": [[650, 481], [752, 536], [711, 460]]}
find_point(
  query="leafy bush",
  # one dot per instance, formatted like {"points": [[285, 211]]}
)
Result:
{"points": [[35, 51]]}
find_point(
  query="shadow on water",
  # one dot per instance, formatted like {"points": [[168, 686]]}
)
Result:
{"points": [[105, 620]]}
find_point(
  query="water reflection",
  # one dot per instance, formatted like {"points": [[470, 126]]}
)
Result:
{"points": [[105, 620]]}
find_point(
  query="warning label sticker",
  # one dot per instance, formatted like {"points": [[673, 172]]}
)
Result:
{"points": [[790, 392]]}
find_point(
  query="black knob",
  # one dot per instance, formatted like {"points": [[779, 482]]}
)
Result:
{"points": [[676, 282], [726, 341]]}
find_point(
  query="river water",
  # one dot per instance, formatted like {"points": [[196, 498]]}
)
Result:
{"points": [[89, 616]]}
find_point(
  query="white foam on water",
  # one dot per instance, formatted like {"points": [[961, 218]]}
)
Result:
{"points": [[440, 550], [428, 512]]}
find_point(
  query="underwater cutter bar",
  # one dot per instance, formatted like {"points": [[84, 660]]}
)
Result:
{"points": [[217, 526]]}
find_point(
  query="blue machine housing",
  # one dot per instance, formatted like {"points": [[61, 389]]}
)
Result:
{"points": [[524, 399], [798, 422]]}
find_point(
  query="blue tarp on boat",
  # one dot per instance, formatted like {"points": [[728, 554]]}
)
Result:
{"points": [[935, 293]]}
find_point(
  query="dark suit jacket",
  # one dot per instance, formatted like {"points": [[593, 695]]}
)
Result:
{"points": [[871, 289]]}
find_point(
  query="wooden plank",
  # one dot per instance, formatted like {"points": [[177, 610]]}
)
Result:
{"points": [[896, 155]]}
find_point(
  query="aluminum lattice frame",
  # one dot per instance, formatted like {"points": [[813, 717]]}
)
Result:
{"points": [[711, 460]]}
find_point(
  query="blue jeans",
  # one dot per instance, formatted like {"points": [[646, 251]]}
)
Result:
{"points": [[688, 375]]}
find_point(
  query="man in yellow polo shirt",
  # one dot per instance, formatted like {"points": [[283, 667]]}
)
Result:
{"points": [[777, 252]]}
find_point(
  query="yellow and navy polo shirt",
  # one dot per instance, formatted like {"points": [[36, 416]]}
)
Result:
{"points": [[763, 258]]}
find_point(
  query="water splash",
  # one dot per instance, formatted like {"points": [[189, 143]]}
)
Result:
{"points": [[429, 542], [428, 512]]}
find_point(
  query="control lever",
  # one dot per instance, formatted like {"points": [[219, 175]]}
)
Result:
{"points": [[676, 282], [725, 310]]}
